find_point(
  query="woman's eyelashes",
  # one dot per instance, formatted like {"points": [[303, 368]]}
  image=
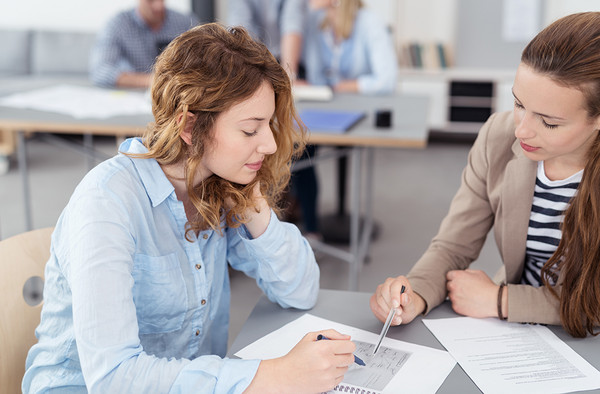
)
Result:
{"points": [[250, 133], [547, 125]]}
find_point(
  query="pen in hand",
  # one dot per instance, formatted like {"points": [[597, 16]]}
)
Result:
{"points": [[356, 359], [388, 322], [402, 290]]}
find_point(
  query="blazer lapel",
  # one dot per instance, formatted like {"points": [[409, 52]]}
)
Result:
{"points": [[517, 190]]}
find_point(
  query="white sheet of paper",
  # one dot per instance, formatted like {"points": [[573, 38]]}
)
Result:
{"points": [[502, 357], [312, 93], [397, 367], [81, 102]]}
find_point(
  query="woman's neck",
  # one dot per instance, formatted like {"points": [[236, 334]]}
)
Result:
{"points": [[176, 175], [556, 171]]}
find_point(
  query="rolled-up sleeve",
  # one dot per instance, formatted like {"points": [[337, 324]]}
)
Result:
{"points": [[212, 374], [281, 261]]}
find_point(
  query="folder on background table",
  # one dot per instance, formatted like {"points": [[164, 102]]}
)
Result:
{"points": [[336, 122]]}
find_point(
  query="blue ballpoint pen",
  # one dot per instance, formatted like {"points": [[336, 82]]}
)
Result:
{"points": [[356, 359]]}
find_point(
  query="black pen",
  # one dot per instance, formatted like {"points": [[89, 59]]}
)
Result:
{"points": [[356, 359]]}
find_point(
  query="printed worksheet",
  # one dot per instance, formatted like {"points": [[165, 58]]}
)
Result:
{"points": [[397, 367], [502, 357], [380, 368]]}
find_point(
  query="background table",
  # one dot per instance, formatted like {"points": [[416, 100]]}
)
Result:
{"points": [[408, 129], [352, 308]]}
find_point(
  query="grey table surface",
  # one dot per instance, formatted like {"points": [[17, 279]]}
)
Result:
{"points": [[352, 308]]}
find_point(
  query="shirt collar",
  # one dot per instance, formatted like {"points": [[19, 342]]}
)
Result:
{"points": [[153, 178]]}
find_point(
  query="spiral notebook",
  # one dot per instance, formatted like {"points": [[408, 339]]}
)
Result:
{"points": [[348, 388]]}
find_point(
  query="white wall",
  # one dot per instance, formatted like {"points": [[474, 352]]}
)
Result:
{"points": [[425, 20], [75, 15], [558, 8], [420, 20], [409, 18]]}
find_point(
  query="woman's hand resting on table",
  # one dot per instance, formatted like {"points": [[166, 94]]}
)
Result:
{"points": [[472, 293]]}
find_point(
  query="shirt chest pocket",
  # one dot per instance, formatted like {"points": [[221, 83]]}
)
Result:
{"points": [[159, 293]]}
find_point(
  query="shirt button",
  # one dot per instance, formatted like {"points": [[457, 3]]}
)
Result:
{"points": [[203, 302], [205, 236], [198, 266], [197, 332]]}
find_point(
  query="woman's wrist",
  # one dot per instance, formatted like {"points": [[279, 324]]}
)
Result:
{"points": [[258, 218], [265, 378], [420, 304]]}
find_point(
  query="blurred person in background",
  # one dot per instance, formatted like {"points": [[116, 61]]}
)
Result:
{"points": [[127, 47], [348, 47]]}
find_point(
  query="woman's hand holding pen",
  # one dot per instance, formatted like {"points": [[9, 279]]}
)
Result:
{"points": [[388, 295], [311, 366]]}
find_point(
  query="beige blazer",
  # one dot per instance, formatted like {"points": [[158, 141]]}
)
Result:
{"points": [[496, 191]]}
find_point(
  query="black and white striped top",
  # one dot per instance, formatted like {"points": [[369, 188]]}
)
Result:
{"points": [[550, 200]]}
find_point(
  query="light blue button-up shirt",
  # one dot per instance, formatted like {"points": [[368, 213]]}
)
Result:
{"points": [[367, 56], [130, 306]]}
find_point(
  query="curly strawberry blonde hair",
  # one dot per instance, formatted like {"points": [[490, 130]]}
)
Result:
{"points": [[206, 71]]}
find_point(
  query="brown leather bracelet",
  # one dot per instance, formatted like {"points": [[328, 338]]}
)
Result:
{"points": [[500, 316]]}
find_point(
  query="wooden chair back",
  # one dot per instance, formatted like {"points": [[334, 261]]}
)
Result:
{"points": [[22, 261]]}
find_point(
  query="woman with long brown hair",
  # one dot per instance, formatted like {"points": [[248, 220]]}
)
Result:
{"points": [[136, 298], [533, 175]]}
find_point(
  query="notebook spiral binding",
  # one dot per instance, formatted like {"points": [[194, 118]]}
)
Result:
{"points": [[343, 388]]}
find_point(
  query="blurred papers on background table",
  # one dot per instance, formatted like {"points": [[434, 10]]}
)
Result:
{"points": [[312, 93], [82, 102]]}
